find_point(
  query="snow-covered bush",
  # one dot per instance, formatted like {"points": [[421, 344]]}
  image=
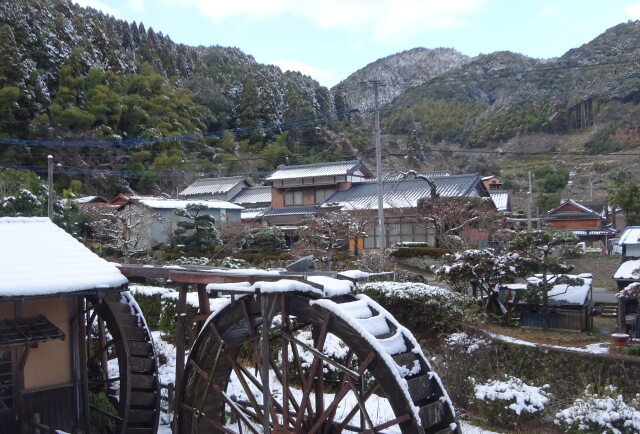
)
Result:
{"points": [[234, 263], [510, 401], [422, 308], [603, 413], [149, 298], [191, 260], [466, 343], [630, 291]]}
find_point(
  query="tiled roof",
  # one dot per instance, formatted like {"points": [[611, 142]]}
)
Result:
{"points": [[252, 213], [402, 194], [253, 195], [315, 170], [584, 212], [212, 186], [39, 258], [293, 210], [500, 199], [593, 231]]}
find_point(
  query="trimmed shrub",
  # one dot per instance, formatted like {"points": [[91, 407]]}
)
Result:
{"points": [[412, 252], [149, 298], [425, 309]]}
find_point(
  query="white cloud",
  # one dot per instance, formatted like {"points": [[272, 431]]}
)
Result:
{"points": [[383, 19], [96, 4], [634, 11], [548, 11], [136, 5], [322, 75]]}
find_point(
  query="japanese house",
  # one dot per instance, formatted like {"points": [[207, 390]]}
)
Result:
{"points": [[589, 225]]}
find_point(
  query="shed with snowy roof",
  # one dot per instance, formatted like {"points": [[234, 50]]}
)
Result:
{"points": [[629, 243], [46, 281], [570, 305]]}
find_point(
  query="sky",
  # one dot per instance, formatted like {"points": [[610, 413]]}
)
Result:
{"points": [[331, 39]]}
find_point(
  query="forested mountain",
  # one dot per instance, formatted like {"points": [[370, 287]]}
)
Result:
{"points": [[397, 73], [71, 73], [499, 95]]}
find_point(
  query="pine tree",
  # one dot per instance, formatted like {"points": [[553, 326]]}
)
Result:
{"points": [[196, 234]]}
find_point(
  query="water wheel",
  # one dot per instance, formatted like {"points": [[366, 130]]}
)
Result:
{"points": [[122, 364], [251, 370]]}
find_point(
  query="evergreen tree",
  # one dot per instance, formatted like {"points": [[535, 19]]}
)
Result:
{"points": [[197, 234]]}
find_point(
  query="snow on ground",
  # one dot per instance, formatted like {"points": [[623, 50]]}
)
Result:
{"points": [[467, 428], [596, 348]]}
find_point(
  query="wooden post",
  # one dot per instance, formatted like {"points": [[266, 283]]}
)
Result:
{"points": [[181, 312], [622, 315], [203, 302], [264, 361]]}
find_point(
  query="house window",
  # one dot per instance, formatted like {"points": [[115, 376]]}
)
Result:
{"points": [[6, 380], [293, 198], [324, 194]]}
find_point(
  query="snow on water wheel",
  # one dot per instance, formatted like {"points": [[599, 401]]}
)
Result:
{"points": [[122, 363], [383, 383]]}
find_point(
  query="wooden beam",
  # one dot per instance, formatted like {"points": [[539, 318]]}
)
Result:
{"points": [[181, 310]]}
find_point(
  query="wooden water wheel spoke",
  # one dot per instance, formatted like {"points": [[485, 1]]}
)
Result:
{"points": [[289, 384], [199, 415]]}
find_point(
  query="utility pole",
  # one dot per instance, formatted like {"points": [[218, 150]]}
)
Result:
{"points": [[50, 186], [530, 204], [381, 229]]}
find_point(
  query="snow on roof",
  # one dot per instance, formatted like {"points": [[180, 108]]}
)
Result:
{"points": [[626, 270], [314, 170], [212, 185], [293, 210], [252, 213], [557, 211], [402, 193], [89, 199], [566, 294], [253, 195], [157, 203], [631, 235], [500, 198], [39, 258]]}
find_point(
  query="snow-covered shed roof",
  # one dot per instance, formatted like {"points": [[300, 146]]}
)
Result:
{"points": [[500, 198], [39, 258], [157, 203], [631, 235], [626, 270], [566, 294], [318, 169], [260, 194], [403, 193], [213, 185]]}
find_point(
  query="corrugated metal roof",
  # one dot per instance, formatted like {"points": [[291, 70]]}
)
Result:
{"points": [[500, 199], [212, 185], [402, 194], [182, 204], [253, 195], [315, 170], [293, 210]]}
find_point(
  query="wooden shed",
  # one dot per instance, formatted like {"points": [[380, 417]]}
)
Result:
{"points": [[61, 311]]}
